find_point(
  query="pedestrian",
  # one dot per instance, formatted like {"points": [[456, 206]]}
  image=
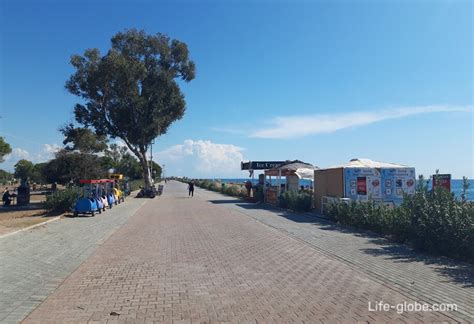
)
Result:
{"points": [[6, 197], [191, 188]]}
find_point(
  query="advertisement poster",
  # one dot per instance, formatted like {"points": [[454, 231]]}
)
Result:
{"points": [[362, 186], [362, 183], [442, 181], [396, 182]]}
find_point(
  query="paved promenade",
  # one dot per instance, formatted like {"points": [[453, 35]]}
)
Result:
{"points": [[434, 280], [211, 259], [34, 263]]}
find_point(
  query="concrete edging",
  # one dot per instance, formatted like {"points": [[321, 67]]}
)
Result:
{"points": [[30, 227]]}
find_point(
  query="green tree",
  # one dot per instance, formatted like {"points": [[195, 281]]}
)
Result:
{"points": [[67, 166], [5, 176], [37, 174], [156, 169], [132, 92], [83, 139], [24, 169], [5, 149], [115, 152]]}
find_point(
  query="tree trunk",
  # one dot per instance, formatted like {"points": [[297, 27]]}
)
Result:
{"points": [[145, 170]]}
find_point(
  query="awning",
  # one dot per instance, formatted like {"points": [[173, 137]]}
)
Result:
{"points": [[305, 173]]}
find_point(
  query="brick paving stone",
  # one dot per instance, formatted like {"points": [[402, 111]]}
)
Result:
{"points": [[35, 262], [182, 259], [434, 280]]}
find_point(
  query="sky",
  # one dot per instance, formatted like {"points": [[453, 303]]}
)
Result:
{"points": [[318, 81]]}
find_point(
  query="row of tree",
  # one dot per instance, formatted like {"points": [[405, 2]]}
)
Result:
{"points": [[84, 156]]}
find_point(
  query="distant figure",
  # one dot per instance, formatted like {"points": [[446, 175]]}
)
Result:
{"points": [[248, 186], [126, 187], [54, 187], [191, 188], [6, 198]]}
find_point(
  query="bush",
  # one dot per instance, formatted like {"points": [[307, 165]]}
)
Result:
{"points": [[136, 184], [232, 190], [62, 200], [434, 221], [298, 201]]}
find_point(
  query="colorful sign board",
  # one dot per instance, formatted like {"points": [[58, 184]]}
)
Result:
{"points": [[442, 181], [362, 183], [116, 176], [386, 185], [396, 182]]}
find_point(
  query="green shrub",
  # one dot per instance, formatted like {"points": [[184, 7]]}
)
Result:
{"points": [[434, 221], [62, 200], [298, 201], [242, 192], [136, 184], [232, 190]]}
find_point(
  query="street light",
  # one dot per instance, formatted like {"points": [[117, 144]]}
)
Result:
{"points": [[151, 160]]}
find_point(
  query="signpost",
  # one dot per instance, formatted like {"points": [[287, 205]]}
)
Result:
{"points": [[260, 165], [442, 181]]}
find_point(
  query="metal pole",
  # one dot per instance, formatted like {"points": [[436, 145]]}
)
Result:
{"points": [[151, 160]]}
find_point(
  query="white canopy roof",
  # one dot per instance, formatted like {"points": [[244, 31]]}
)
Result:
{"points": [[367, 163], [305, 173]]}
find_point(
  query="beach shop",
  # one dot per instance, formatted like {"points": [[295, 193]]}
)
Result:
{"points": [[293, 172], [361, 180]]}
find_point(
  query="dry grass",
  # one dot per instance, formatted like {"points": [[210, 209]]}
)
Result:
{"points": [[11, 221]]}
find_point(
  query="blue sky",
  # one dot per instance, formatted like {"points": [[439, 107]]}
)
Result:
{"points": [[318, 81]]}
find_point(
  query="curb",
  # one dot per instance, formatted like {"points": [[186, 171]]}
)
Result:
{"points": [[30, 227]]}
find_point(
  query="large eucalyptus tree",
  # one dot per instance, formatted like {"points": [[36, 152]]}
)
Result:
{"points": [[132, 92]]}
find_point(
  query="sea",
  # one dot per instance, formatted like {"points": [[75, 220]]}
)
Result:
{"points": [[456, 185]]}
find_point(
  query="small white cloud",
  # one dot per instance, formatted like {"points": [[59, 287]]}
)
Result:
{"points": [[12, 158], [202, 158], [17, 154], [299, 126], [51, 148], [47, 153]]}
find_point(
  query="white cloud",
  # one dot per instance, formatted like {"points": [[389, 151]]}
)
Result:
{"points": [[304, 125], [17, 154], [51, 148], [202, 158], [12, 158], [46, 153]]}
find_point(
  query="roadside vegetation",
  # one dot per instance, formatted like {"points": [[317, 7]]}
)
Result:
{"points": [[431, 221], [234, 190]]}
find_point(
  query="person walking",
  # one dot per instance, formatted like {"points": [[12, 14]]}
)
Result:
{"points": [[191, 188]]}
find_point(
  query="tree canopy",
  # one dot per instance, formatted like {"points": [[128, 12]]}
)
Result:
{"points": [[5, 149], [132, 92], [83, 139], [67, 166], [24, 169]]}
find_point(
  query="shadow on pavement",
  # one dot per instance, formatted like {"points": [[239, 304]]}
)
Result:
{"points": [[460, 272], [225, 201]]}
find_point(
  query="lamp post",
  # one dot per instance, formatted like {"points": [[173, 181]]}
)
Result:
{"points": [[151, 160]]}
